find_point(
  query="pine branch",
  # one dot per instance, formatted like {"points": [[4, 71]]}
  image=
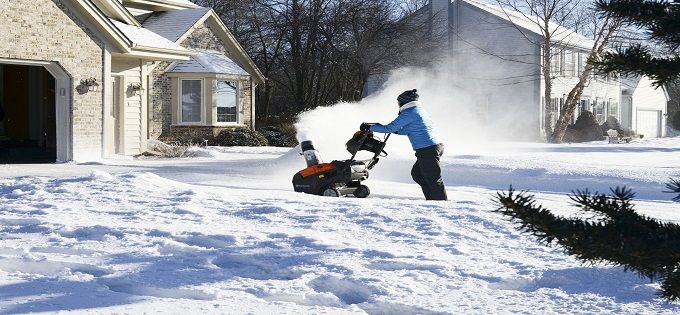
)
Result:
{"points": [[674, 186], [661, 20], [639, 60], [637, 243], [642, 11]]}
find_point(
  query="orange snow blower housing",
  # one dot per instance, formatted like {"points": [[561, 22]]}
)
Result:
{"points": [[340, 178]]}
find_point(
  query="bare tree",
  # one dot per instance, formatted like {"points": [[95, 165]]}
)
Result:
{"points": [[605, 30], [553, 18], [317, 52]]}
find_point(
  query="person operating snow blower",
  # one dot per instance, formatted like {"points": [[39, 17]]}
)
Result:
{"points": [[414, 122]]}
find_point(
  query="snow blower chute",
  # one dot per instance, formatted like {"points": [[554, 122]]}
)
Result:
{"points": [[340, 178]]}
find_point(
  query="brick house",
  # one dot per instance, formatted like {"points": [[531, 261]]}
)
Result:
{"points": [[91, 79]]}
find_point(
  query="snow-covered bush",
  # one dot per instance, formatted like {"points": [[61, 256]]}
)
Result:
{"points": [[613, 123], [584, 129], [615, 233], [172, 150], [278, 136], [240, 137]]}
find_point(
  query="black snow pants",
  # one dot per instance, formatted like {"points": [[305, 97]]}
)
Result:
{"points": [[427, 172]]}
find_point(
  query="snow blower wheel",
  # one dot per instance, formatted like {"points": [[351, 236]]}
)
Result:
{"points": [[362, 191], [331, 192]]}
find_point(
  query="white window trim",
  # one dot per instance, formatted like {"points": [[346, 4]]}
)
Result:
{"points": [[179, 105], [238, 104]]}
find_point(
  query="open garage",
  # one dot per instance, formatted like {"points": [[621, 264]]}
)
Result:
{"points": [[27, 114]]}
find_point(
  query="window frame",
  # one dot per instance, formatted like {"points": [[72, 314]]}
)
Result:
{"points": [[568, 67], [201, 105], [238, 102], [556, 67]]}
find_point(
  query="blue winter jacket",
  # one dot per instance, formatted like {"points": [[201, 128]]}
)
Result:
{"points": [[414, 122]]}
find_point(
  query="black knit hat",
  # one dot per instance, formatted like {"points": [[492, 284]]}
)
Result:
{"points": [[407, 97]]}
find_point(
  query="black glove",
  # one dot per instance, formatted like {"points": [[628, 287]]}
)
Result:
{"points": [[365, 127]]}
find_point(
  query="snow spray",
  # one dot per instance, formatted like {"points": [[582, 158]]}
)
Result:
{"points": [[452, 115]]}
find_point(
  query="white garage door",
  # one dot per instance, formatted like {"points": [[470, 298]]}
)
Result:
{"points": [[649, 123]]}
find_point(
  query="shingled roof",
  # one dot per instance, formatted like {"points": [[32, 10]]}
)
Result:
{"points": [[144, 37], [207, 61], [173, 24]]}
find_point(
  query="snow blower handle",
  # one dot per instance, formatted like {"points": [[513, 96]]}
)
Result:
{"points": [[366, 126]]}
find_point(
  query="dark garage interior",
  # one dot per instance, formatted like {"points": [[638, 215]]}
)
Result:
{"points": [[27, 115]]}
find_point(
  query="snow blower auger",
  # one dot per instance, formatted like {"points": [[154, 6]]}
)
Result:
{"points": [[340, 178]]}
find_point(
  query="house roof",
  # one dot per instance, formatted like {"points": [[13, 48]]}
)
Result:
{"points": [[561, 35], [207, 61], [161, 4], [173, 24], [146, 38], [177, 25], [630, 83]]}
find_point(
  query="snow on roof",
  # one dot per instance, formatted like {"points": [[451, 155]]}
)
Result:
{"points": [[144, 37], [561, 35], [185, 2], [173, 24], [207, 61]]}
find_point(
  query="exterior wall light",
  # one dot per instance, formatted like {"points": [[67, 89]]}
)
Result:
{"points": [[88, 85], [136, 88]]}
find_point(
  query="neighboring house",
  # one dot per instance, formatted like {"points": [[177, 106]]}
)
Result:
{"points": [[497, 58], [501, 50], [86, 79], [644, 107]]}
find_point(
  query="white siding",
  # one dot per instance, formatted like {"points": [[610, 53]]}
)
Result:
{"points": [[134, 106], [502, 68], [648, 98]]}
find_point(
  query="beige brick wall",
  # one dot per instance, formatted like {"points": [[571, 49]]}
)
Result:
{"points": [[47, 30], [160, 101], [202, 37]]}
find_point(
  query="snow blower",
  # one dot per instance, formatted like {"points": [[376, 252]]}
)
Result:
{"points": [[340, 178]]}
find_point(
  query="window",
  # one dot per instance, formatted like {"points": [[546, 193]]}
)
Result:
{"points": [[582, 60], [555, 61], [585, 106], [599, 111], [569, 63], [226, 100], [191, 100], [613, 108]]}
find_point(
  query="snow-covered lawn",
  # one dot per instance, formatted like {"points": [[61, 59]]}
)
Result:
{"points": [[224, 233]]}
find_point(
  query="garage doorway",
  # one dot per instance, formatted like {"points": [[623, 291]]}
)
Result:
{"points": [[28, 125], [649, 123], [35, 102]]}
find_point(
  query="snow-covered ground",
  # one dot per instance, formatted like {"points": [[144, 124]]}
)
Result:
{"points": [[225, 233]]}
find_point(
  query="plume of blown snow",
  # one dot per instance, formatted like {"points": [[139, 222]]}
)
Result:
{"points": [[456, 122]]}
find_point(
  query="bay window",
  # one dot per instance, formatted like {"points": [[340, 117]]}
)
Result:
{"points": [[226, 100]]}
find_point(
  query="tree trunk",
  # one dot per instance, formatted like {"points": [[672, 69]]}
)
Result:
{"points": [[547, 93], [602, 39], [570, 105]]}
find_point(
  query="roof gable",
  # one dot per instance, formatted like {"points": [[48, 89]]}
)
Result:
{"points": [[174, 24], [177, 26]]}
